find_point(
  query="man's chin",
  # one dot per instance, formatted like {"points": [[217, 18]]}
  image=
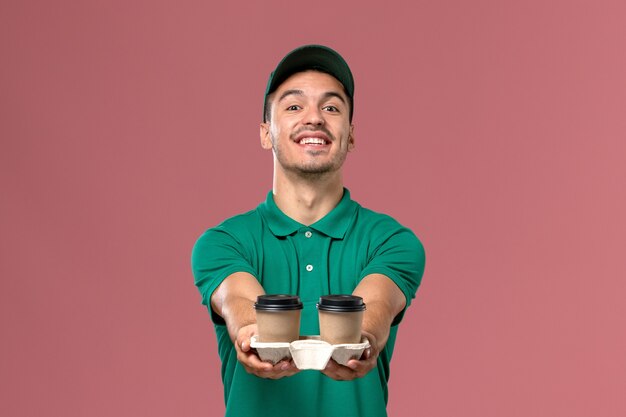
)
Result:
{"points": [[314, 171]]}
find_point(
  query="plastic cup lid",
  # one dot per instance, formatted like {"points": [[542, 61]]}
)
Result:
{"points": [[278, 302], [341, 303]]}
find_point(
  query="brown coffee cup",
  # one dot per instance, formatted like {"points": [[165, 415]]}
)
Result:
{"points": [[278, 318], [340, 317]]}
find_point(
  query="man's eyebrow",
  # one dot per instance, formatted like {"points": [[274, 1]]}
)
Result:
{"points": [[290, 93], [335, 94], [326, 95]]}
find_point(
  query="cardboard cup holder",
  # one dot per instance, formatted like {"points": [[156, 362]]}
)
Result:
{"points": [[309, 352]]}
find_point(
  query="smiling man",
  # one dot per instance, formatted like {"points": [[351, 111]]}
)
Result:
{"points": [[311, 110], [308, 238]]}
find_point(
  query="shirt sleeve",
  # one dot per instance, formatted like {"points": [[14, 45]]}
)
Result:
{"points": [[216, 255], [400, 256]]}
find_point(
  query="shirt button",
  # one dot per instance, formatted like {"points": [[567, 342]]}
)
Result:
{"points": [[308, 233], [309, 267]]}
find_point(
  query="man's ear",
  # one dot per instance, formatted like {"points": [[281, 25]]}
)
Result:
{"points": [[264, 133], [351, 143]]}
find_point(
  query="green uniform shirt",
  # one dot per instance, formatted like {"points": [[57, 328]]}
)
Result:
{"points": [[330, 256]]}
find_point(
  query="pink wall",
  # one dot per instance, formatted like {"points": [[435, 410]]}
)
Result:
{"points": [[496, 130]]}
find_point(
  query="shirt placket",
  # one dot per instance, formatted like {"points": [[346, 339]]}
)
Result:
{"points": [[312, 263]]}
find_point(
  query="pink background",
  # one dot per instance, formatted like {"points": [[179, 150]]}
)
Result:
{"points": [[495, 129]]}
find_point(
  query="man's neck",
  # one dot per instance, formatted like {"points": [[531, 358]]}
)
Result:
{"points": [[307, 201]]}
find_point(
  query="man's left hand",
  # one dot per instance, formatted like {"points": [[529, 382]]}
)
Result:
{"points": [[355, 368]]}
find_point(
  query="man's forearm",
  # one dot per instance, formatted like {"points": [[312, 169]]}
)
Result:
{"points": [[234, 299], [384, 301]]}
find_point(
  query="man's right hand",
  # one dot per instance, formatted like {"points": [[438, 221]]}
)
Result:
{"points": [[251, 361], [234, 300]]}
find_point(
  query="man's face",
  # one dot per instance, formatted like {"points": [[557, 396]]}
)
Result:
{"points": [[309, 129]]}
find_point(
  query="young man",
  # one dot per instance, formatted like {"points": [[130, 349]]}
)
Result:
{"points": [[308, 238]]}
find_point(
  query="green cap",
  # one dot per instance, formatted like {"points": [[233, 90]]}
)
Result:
{"points": [[312, 57]]}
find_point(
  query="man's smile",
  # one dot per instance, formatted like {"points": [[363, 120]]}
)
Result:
{"points": [[315, 138]]}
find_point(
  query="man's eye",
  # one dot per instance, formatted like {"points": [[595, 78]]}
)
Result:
{"points": [[294, 107], [330, 108]]}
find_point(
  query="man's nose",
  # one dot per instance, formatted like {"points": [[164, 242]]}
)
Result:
{"points": [[314, 116]]}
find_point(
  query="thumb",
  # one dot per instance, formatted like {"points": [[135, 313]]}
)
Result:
{"points": [[367, 353], [245, 345]]}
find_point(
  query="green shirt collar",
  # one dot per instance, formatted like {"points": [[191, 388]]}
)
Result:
{"points": [[334, 224]]}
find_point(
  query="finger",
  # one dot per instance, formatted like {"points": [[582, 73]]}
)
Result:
{"points": [[245, 345], [367, 353], [279, 374], [353, 364], [257, 363], [280, 370], [355, 368], [286, 366], [338, 372], [362, 367], [253, 363]]}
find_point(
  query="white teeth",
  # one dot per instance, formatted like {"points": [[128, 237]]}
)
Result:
{"points": [[315, 141]]}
